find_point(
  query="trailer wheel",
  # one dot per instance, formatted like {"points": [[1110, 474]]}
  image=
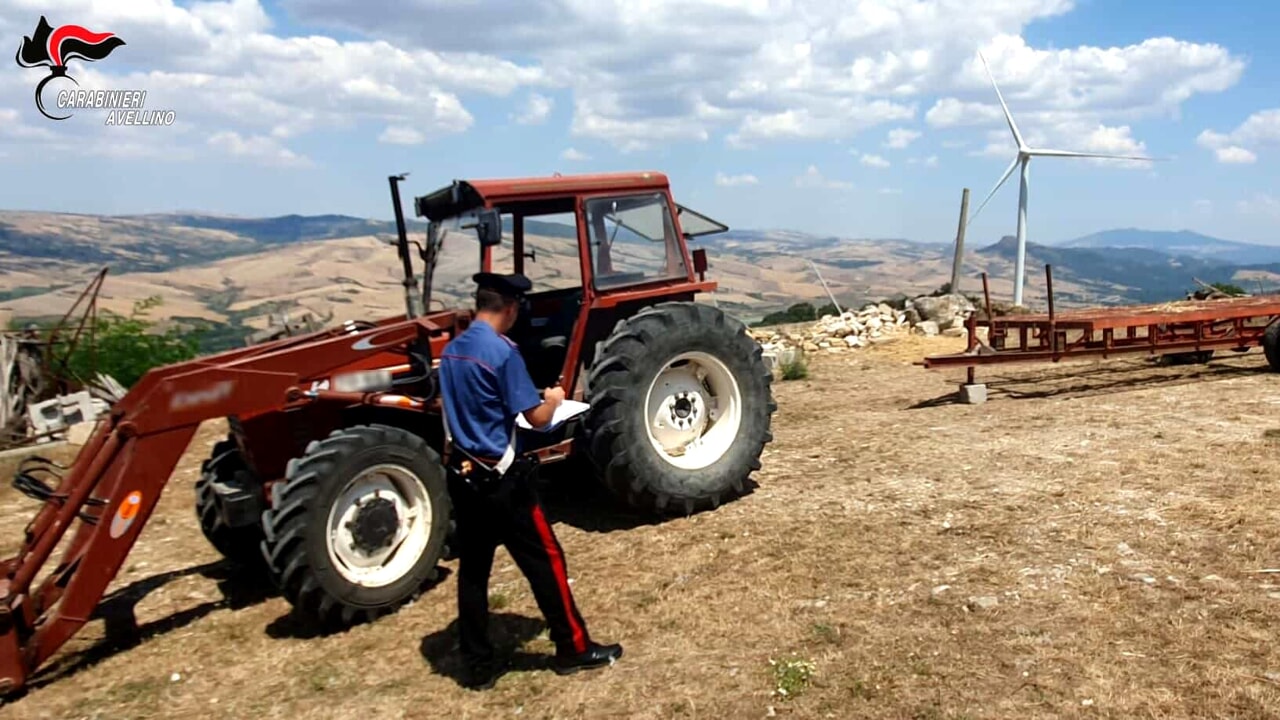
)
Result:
{"points": [[681, 408], [358, 525], [225, 466], [1271, 345]]}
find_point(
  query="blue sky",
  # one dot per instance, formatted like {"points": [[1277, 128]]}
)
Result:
{"points": [[860, 119]]}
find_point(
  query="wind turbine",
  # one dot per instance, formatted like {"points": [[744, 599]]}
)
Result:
{"points": [[1025, 153]]}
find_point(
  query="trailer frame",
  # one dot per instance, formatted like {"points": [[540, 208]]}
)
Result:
{"points": [[1193, 328]]}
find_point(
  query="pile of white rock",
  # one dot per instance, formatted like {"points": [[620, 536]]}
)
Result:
{"points": [[873, 324]]}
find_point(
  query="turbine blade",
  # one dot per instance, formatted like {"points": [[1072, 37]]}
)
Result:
{"points": [[1012, 166], [1013, 127], [1072, 153]]}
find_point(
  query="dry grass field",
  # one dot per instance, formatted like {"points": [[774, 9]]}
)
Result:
{"points": [[1098, 541]]}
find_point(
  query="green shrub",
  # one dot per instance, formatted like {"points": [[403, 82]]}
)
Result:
{"points": [[795, 367], [127, 347]]}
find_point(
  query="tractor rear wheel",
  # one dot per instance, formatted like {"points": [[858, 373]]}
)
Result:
{"points": [[357, 526], [225, 467], [681, 406]]}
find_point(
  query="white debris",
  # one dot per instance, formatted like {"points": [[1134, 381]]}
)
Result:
{"points": [[873, 324]]}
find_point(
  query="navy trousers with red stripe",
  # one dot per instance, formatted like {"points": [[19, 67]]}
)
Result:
{"points": [[510, 515]]}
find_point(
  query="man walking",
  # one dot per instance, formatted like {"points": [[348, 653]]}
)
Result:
{"points": [[484, 385]]}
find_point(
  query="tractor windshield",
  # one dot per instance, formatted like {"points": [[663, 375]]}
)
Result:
{"points": [[456, 260], [633, 240]]}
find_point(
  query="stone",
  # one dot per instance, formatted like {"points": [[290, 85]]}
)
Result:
{"points": [[927, 328], [985, 602], [955, 332], [942, 308], [973, 394]]}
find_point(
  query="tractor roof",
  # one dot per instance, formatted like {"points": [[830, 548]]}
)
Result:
{"points": [[464, 195]]}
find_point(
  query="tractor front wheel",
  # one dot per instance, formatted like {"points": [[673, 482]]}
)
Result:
{"points": [[225, 471], [681, 407], [357, 526]]}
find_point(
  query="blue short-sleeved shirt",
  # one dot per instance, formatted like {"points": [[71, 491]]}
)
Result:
{"points": [[487, 386]]}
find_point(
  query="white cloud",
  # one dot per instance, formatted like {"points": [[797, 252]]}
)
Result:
{"points": [[1084, 98], [574, 155], [813, 178], [900, 138], [536, 110], [1239, 146], [262, 149], [399, 135], [890, 191], [1068, 131], [1235, 155], [735, 180], [874, 161], [220, 68], [747, 72], [929, 162], [756, 71]]}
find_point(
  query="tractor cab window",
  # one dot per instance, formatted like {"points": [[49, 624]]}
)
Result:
{"points": [[550, 251], [633, 240]]}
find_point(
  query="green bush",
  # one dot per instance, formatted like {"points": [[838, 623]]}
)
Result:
{"points": [[796, 368], [127, 347], [797, 313]]}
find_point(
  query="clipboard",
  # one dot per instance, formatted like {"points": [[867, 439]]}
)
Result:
{"points": [[567, 410]]}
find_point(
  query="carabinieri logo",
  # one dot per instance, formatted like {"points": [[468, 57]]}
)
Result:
{"points": [[54, 47]]}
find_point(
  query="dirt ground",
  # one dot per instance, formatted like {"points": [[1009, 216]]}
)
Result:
{"points": [[1095, 541]]}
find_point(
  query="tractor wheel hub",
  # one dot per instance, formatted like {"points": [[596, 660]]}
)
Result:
{"points": [[374, 525]]}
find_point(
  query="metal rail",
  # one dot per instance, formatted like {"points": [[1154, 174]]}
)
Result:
{"points": [[1181, 327]]}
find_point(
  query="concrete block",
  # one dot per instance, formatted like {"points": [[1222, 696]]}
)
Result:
{"points": [[973, 394]]}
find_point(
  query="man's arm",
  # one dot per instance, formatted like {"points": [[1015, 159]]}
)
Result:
{"points": [[541, 416], [521, 396]]}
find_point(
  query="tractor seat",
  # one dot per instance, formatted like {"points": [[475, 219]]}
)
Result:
{"points": [[556, 342]]}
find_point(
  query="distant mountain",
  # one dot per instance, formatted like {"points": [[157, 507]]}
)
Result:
{"points": [[1183, 242], [1140, 274]]}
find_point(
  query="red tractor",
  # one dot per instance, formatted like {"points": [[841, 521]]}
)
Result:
{"points": [[331, 480]]}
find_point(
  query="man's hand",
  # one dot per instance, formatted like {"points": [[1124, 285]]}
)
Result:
{"points": [[541, 416], [554, 395]]}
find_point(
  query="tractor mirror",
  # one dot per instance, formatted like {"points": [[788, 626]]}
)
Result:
{"points": [[489, 228], [700, 263], [700, 260]]}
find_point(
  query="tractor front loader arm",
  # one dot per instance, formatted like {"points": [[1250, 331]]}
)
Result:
{"points": [[110, 490]]}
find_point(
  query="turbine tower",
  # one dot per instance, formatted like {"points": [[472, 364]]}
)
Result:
{"points": [[1025, 153]]}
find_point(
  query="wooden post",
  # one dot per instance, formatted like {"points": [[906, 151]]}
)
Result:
{"points": [[959, 257], [824, 287]]}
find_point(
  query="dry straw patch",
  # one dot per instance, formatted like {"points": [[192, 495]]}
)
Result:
{"points": [[1087, 544]]}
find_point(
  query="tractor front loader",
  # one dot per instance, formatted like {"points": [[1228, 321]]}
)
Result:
{"points": [[106, 497], [331, 481]]}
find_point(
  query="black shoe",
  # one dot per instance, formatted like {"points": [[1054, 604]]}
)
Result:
{"points": [[595, 656], [482, 674]]}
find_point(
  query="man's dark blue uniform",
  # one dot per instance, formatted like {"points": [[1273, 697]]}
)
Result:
{"points": [[484, 386]]}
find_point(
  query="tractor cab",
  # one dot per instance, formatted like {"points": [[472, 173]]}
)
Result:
{"points": [[600, 242]]}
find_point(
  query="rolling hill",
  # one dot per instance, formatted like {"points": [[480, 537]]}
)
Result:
{"points": [[1183, 242], [239, 272]]}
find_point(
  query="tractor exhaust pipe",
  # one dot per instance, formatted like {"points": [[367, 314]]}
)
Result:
{"points": [[412, 299]]}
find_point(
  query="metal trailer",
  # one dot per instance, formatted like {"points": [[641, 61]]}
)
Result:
{"points": [[1192, 329]]}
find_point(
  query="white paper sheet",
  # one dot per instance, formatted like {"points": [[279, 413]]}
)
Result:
{"points": [[566, 410]]}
